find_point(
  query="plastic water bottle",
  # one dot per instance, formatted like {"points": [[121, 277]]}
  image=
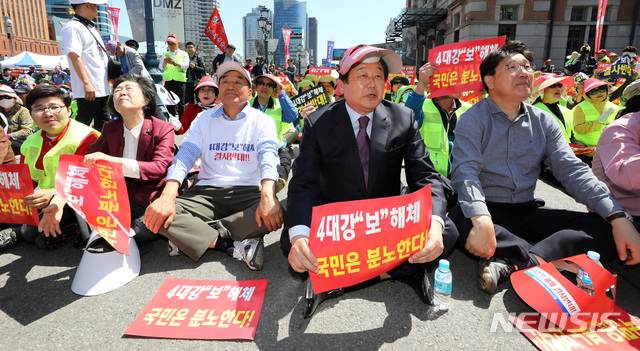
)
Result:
{"points": [[584, 281], [442, 286]]}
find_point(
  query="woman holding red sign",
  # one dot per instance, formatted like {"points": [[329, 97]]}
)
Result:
{"points": [[143, 144]]}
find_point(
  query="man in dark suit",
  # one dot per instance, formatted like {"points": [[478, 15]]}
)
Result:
{"points": [[333, 167], [225, 56]]}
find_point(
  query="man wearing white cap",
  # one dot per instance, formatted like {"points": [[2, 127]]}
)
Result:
{"points": [[237, 145], [353, 149], [88, 63]]}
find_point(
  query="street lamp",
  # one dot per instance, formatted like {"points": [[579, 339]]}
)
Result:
{"points": [[265, 25], [7, 26], [151, 59], [300, 52]]}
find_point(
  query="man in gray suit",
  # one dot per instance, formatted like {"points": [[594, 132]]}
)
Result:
{"points": [[131, 60]]}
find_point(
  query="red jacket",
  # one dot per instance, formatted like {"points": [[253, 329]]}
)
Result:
{"points": [[155, 152]]}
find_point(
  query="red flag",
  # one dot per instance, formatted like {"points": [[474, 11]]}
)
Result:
{"points": [[215, 31], [114, 15], [602, 7], [286, 35]]}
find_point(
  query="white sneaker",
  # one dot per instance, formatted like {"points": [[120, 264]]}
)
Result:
{"points": [[251, 251], [173, 249]]}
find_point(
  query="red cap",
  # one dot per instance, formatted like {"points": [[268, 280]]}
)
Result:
{"points": [[172, 38], [356, 54], [206, 81], [592, 83], [601, 51]]}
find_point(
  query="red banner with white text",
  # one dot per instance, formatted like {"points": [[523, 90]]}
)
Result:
{"points": [[99, 195], [286, 36], [15, 184], [459, 65], [602, 8], [114, 16], [215, 31], [355, 241], [319, 71], [202, 309]]}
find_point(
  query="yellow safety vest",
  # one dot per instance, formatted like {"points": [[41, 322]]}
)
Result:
{"points": [[276, 114], [590, 115], [174, 72], [435, 136], [567, 126], [68, 145]]}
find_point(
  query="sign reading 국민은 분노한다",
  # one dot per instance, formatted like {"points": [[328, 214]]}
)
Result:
{"points": [[202, 309], [355, 241], [15, 184], [99, 195], [459, 65]]}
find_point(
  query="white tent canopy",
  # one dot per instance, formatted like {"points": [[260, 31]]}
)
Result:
{"points": [[25, 58]]}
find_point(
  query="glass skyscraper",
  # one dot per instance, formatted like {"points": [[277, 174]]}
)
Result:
{"points": [[288, 14]]}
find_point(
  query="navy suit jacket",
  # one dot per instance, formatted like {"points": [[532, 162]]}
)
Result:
{"points": [[329, 169], [155, 153]]}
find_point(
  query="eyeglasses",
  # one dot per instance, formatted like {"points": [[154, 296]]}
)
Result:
{"points": [[557, 85], [55, 109], [206, 90], [397, 82], [515, 67], [6, 97], [600, 89], [270, 85]]}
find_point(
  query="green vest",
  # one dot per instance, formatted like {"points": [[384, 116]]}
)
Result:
{"points": [[68, 145], [435, 136], [590, 115], [276, 114], [174, 72], [567, 126]]}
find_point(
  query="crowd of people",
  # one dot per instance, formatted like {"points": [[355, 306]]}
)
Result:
{"points": [[208, 178]]}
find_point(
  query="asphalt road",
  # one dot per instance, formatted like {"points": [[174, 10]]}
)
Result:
{"points": [[38, 310]]}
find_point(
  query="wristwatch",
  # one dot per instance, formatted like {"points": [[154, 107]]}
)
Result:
{"points": [[619, 214]]}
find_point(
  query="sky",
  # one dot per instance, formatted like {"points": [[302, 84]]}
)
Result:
{"points": [[346, 22]]}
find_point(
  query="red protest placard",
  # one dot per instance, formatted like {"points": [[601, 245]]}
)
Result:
{"points": [[99, 195], [619, 331], [320, 71], [472, 97], [459, 65], [202, 309], [355, 241], [15, 184]]}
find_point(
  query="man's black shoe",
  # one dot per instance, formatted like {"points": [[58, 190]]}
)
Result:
{"points": [[312, 301], [419, 281]]}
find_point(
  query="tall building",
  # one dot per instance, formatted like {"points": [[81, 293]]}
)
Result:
{"points": [[288, 14], [312, 41], [552, 29], [252, 35], [29, 28], [196, 17]]}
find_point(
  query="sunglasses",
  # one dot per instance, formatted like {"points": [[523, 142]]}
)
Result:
{"points": [[557, 85], [5, 97], [397, 83], [270, 85], [595, 91]]}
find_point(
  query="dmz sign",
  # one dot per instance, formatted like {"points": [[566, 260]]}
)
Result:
{"points": [[168, 4]]}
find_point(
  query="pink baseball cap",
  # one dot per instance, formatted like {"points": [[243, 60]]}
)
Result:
{"points": [[111, 46], [273, 78], [232, 66], [172, 38], [592, 83], [369, 54], [206, 81]]}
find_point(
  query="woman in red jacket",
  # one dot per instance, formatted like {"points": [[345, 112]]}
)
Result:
{"points": [[206, 93]]}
